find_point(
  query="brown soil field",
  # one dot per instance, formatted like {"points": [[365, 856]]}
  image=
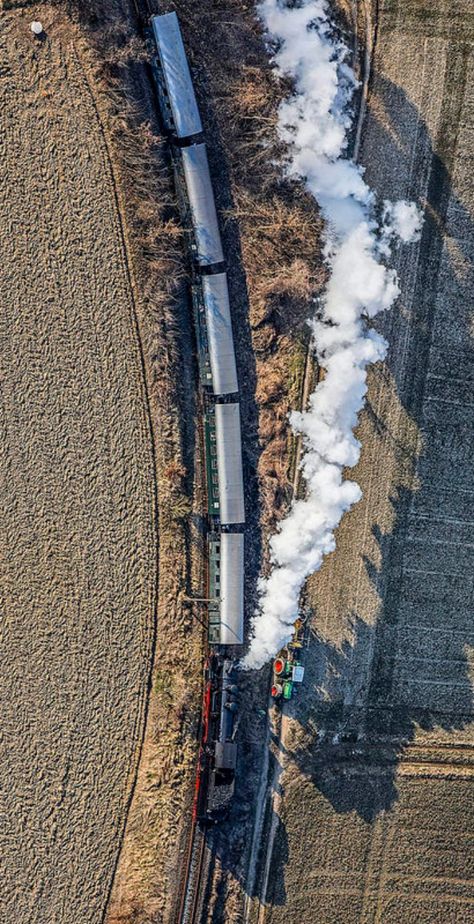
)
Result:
{"points": [[377, 763], [376, 816], [78, 570]]}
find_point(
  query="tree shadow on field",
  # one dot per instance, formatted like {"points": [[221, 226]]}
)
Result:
{"points": [[390, 690], [400, 679]]}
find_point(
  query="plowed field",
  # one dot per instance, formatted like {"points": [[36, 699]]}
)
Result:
{"points": [[77, 508], [377, 818]]}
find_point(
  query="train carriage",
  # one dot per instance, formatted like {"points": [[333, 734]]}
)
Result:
{"points": [[231, 589], [219, 334], [215, 341], [226, 590], [229, 464], [178, 104], [207, 238]]}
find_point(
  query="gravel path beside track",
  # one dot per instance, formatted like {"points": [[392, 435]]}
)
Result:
{"points": [[376, 820], [77, 507]]}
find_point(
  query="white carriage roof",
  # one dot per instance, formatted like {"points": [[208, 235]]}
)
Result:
{"points": [[219, 333], [201, 201], [176, 75]]}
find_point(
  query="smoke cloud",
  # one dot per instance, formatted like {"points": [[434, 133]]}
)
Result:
{"points": [[314, 123], [402, 219]]}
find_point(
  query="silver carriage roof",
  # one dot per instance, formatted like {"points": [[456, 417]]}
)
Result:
{"points": [[176, 74], [201, 201], [219, 334], [229, 464], [232, 589]]}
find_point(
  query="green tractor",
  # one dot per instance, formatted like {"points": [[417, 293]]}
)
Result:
{"points": [[287, 667]]}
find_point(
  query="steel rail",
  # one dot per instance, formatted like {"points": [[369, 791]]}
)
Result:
{"points": [[192, 888], [191, 891]]}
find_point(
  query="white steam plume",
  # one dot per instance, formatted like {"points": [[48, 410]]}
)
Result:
{"points": [[314, 124]]}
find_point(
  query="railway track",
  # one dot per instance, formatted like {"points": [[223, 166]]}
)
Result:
{"points": [[311, 375], [312, 371], [143, 10], [195, 880], [195, 873]]}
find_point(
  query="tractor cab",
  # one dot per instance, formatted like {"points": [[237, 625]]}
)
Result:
{"points": [[287, 667]]}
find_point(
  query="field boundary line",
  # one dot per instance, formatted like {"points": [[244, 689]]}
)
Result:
{"points": [[128, 263]]}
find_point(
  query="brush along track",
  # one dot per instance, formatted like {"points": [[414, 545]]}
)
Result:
{"points": [[193, 879]]}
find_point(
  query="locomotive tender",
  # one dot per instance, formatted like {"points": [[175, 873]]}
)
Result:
{"points": [[222, 434]]}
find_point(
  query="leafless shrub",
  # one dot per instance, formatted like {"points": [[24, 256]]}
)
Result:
{"points": [[175, 472], [280, 247]]}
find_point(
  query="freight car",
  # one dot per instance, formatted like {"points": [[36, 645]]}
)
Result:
{"points": [[220, 400]]}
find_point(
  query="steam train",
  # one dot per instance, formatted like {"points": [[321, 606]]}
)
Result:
{"points": [[222, 434]]}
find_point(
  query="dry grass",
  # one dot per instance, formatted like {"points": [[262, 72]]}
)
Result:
{"points": [[278, 249]]}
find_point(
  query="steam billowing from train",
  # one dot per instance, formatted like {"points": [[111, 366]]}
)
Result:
{"points": [[314, 124]]}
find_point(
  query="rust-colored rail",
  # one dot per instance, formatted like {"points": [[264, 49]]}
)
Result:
{"points": [[191, 897]]}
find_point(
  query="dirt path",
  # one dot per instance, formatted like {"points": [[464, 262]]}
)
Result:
{"points": [[78, 568]]}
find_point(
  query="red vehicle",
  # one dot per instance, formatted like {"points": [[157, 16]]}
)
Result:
{"points": [[287, 667]]}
